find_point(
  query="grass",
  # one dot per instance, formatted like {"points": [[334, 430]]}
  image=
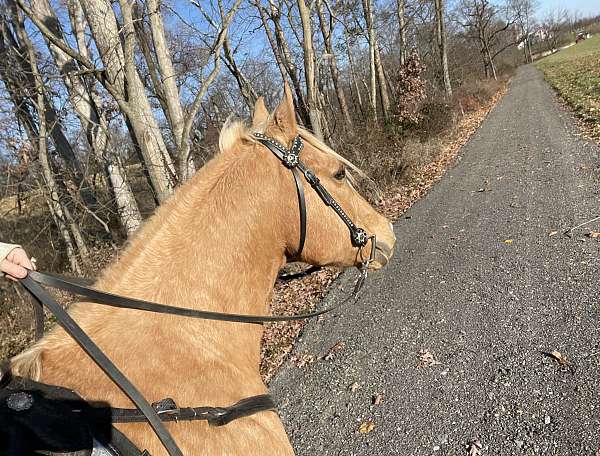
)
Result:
{"points": [[575, 73]]}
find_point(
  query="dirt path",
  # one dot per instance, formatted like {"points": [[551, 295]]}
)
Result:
{"points": [[480, 280]]}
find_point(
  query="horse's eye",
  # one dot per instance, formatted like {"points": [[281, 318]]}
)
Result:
{"points": [[340, 175]]}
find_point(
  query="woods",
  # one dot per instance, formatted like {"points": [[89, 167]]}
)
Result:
{"points": [[108, 106]]}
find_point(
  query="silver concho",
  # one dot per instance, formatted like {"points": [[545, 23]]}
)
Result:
{"points": [[360, 237], [19, 401], [290, 159]]}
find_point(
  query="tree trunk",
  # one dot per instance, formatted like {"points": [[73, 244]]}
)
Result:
{"points": [[372, 68], [353, 74], [441, 41], [402, 31], [382, 82], [170, 90], [327, 32], [309, 71], [286, 58], [121, 72], [86, 107]]}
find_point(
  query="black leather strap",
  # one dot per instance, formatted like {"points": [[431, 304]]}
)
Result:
{"points": [[109, 299], [216, 416], [73, 329], [302, 208]]}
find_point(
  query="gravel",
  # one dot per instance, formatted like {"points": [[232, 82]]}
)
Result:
{"points": [[481, 281]]}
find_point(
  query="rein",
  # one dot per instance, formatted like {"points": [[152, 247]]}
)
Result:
{"points": [[167, 410]]}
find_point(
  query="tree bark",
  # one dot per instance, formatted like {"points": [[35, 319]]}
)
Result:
{"points": [[400, 10], [327, 32], [122, 75], [382, 83], [309, 71], [441, 41], [372, 67], [86, 108]]}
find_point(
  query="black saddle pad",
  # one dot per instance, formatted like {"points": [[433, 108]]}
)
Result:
{"points": [[45, 419]]}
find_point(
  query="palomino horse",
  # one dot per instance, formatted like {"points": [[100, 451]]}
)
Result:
{"points": [[218, 245]]}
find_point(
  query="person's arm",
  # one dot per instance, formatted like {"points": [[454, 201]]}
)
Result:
{"points": [[14, 261]]}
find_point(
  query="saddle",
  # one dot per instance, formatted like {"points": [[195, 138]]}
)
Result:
{"points": [[36, 418]]}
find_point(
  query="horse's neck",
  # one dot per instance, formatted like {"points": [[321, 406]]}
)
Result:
{"points": [[216, 245]]}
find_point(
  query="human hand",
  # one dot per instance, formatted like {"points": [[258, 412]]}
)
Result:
{"points": [[16, 264]]}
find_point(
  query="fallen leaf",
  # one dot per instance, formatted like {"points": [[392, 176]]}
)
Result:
{"points": [[474, 448], [553, 233], [354, 387], [339, 346], [562, 360], [366, 427], [302, 359], [377, 399], [508, 241], [426, 359], [593, 234]]}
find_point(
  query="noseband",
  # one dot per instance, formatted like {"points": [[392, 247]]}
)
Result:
{"points": [[290, 158]]}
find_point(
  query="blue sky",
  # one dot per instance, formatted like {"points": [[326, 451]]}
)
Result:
{"points": [[584, 7]]}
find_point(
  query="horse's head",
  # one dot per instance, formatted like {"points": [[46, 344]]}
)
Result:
{"points": [[328, 238]]}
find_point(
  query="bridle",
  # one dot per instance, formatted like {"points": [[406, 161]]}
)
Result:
{"points": [[291, 160], [167, 410]]}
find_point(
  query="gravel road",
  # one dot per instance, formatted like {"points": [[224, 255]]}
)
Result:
{"points": [[480, 280]]}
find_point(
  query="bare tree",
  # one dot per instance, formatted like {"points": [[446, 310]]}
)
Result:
{"points": [[485, 23], [524, 11], [372, 68], [282, 53], [31, 105], [327, 30], [309, 70], [87, 110]]}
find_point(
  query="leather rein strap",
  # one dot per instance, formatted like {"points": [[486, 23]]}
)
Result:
{"points": [[100, 297]]}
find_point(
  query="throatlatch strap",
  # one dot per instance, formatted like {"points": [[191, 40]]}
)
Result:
{"points": [[302, 208], [73, 329]]}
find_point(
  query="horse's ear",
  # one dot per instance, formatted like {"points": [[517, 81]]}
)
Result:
{"points": [[285, 114], [260, 116]]}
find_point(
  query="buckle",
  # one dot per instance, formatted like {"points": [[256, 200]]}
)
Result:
{"points": [[311, 177], [165, 406]]}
